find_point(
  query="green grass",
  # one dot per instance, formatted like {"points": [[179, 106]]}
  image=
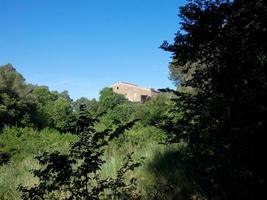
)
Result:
{"points": [[23, 145], [161, 168], [161, 172]]}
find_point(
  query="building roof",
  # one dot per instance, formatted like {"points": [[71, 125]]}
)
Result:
{"points": [[134, 85], [125, 83]]}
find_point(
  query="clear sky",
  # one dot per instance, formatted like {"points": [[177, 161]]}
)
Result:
{"points": [[84, 45]]}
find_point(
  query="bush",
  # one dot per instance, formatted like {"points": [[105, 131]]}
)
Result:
{"points": [[22, 145]]}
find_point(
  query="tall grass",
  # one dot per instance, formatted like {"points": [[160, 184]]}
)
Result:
{"points": [[23, 144], [161, 174], [161, 170]]}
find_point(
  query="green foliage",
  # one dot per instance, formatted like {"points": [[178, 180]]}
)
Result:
{"points": [[13, 102], [154, 111], [25, 105], [162, 174], [75, 174], [119, 187], [91, 105], [113, 109], [121, 113], [182, 73], [54, 109], [108, 100], [221, 54], [143, 138], [62, 116], [44, 100], [11, 81], [22, 145], [150, 113], [20, 142], [84, 119]]}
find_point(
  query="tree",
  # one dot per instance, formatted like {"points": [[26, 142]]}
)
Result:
{"points": [[62, 114], [108, 100], [84, 119], [121, 113], [91, 105], [14, 101], [54, 109], [222, 48], [154, 111], [44, 100], [11, 81]]}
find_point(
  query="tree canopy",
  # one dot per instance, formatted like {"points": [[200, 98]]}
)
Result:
{"points": [[14, 104], [23, 104], [222, 49]]}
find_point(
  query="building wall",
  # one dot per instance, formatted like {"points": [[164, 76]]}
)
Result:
{"points": [[133, 92]]}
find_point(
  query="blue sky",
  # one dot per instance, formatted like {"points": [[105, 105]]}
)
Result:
{"points": [[85, 45]]}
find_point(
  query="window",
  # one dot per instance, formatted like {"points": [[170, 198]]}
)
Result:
{"points": [[144, 98]]}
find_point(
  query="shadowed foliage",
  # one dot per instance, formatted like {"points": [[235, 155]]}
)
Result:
{"points": [[76, 175], [221, 55]]}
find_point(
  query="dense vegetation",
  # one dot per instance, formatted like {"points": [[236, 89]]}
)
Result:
{"points": [[220, 58], [204, 140], [58, 131]]}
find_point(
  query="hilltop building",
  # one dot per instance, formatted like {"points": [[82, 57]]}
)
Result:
{"points": [[133, 92]]}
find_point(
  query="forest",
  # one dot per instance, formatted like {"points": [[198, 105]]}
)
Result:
{"points": [[202, 141]]}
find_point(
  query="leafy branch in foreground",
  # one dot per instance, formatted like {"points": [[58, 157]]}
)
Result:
{"points": [[76, 175]]}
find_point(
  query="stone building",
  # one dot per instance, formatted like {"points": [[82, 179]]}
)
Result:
{"points": [[133, 92]]}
